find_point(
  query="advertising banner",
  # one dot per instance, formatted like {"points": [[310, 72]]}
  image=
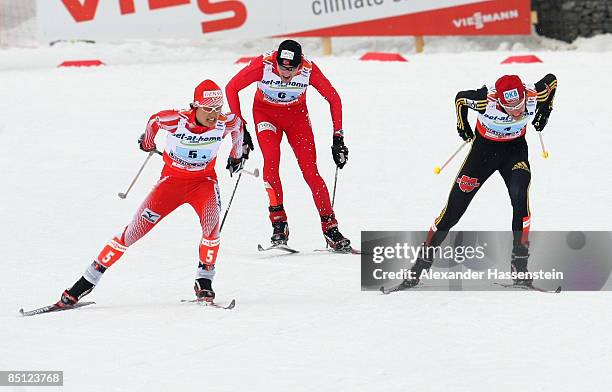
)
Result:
{"points": [[158, 19]]}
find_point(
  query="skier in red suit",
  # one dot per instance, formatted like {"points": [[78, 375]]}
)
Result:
{"points": [[192, 142], [283, 77]]}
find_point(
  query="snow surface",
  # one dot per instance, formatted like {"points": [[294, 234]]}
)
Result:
{"points": [[301, 323]]}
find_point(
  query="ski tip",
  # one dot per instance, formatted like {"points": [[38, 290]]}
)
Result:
{"points": [[22, 312], [284, 248], [558, 290], [231, 305]]}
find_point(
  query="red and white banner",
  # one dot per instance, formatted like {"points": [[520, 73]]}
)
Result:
{"points": [[121, 19]]}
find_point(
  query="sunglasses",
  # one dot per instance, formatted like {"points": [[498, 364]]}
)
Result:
{"points": [[209, 109], [515, 107], [288, 69]]}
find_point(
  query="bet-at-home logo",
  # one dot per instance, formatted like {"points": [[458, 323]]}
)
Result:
{"points": [[197, 140]]}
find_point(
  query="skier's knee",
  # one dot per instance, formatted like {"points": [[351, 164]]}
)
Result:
{"points": [[310, 173], [518, 195]]}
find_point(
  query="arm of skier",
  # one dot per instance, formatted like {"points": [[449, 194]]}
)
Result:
{"points": [[469, 99], [325, 88], [253, 72], [546, 89], [166, 120]]}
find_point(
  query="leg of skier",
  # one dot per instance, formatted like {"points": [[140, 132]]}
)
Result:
{"points": [[205, 199], [301, 139], [269, 137], [481, 162], [516, 173], [165, 197]]}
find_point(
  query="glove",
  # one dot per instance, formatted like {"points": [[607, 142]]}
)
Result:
{"points": [[339, 151], [541, 118], [466, 134], [234, 165], [247, 143], [144, 146]]}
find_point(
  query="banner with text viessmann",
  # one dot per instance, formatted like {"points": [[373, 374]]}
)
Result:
{"points": [[124, 19]]}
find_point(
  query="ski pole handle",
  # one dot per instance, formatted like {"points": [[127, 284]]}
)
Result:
{"points": [[123, 195], [438, 169], [254, 173], [544, 152]]}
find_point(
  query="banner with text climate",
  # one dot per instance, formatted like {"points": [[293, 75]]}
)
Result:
{"points": [[124, 19]]}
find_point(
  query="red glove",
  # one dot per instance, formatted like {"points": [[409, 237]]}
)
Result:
{"points": [[144, 146]]}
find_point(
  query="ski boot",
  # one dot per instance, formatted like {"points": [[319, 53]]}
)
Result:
{"points": [[419, 266], [72, 295], [336, 240], [332, 235], [280, 233], [203, 290], [518, 264]]}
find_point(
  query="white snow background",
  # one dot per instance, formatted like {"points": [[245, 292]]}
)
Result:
{"points": [[68, 140]]}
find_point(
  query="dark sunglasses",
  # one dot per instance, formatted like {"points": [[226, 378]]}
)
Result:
{"points": [[288, 69]]}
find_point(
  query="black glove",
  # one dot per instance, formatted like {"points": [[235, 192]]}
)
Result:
{"points": [[541, 118], [466, 134], [234, 165], [339, 152], [247, 143], [145, 148]]}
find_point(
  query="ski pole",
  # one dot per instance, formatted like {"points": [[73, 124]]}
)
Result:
{"points": [[544, 152], [334, 192], [232, 198], [333, 197], [254, 173], [438, 169], [123, 195]]}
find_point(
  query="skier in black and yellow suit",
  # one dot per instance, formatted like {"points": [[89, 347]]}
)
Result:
{"points": [[504, 111]]}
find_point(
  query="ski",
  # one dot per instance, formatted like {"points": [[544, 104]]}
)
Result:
{"points": [[281, 247], [53, 308], [350, 251], [399, 287], [530, 287], [231, 305]]}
